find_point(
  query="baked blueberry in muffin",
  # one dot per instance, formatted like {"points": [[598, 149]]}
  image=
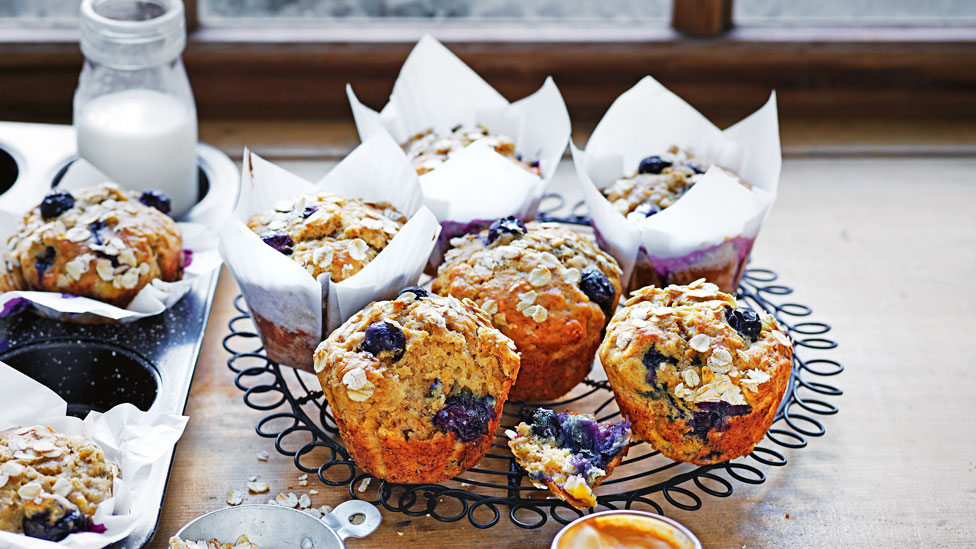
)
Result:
{"points": [[699, 377], [569, 453], [99, 242], [660, 180], [51, 484], [417, 385], [428, 150], [548, 288]]}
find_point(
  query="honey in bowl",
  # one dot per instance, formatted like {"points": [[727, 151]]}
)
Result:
{"points": [[625, 529]]}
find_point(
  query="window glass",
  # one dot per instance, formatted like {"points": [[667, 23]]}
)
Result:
{"points": [[39, 13], [445, 10], [854, 12]]}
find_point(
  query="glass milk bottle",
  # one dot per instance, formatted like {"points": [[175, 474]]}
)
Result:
{"points": [[133, 109]]}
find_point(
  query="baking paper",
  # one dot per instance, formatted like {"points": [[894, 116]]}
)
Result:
{"points": [[437, 90], [199, 240], [648, 119], [280, 290], [140, 442]]}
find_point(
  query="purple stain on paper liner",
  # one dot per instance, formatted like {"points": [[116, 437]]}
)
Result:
{"points": [[98, 528], [69, 296], [14, 306], [187, 258]]}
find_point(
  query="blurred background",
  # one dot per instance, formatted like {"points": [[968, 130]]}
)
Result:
{"points": [[890, 63]]}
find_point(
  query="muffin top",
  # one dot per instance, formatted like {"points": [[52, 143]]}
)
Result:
{"points": [[44, 474], [325, 233], [658, 183], [694, 345], [418, 366], [545, 271], [428, 150], [98, 242]]}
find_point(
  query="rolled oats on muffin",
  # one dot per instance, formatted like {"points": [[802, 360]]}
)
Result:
{"points": [[99, 242], [51, 484], [416, 385], [548, 288], [326, 233], [569, 453], [699, 377], [429, 149]]}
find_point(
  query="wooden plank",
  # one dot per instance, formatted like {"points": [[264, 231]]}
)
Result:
{"points": [[876, 255], [726, 78]]}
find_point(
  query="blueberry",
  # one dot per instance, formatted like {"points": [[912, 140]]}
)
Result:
{"points": [[44, 526], [647, 209], [44, 260], [714, 416], [653, 164], [56, 203], [545, 424], [466, 416], [383, 339], [97, 230], [580, 434], [652, 359], [696, 168], [417, 291], [745, 321], [435, 387], [597, 287], [280, 241], [156, 199], [510, 225], [309, 210]]}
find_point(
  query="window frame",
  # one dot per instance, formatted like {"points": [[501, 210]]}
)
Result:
{"points": [[894, 71]]}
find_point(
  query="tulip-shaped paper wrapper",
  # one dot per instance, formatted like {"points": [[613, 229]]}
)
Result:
{"points": [[141, 443], [200, 258], [709, 232], [293, 311], [476, 185]]}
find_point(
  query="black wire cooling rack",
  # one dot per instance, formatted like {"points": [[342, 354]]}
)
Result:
{"points": [[303, 428]]}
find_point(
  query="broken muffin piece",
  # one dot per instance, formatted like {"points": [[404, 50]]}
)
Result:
{"points": [[569, 453]]}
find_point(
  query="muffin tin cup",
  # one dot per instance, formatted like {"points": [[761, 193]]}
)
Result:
{"points": [[45, 157], [148, 363]]}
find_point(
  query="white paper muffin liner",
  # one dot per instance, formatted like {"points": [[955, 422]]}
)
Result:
{"points": [[436, 90], [708, 232], [201, 258], [293, 311], [140, 442]]}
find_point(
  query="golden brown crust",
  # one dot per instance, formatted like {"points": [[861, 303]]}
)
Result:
{"points": [[723, 266], [39, 467], [692, 386], [530, 288], [385, 408], [329, 233], [428, 150], [108, 246]]}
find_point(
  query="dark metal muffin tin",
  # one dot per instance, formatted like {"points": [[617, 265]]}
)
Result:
{"points": [[148, 363]]}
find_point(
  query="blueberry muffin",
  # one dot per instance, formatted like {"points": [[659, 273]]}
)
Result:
{"points": [[569, 453], [99, 242], [699, 377], [660, 181], [51, 484], [548, 288], [416, 385], [325, 233], [428, 150]]}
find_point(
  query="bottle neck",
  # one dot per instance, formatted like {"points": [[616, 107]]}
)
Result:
{"points": [[132, 34]]}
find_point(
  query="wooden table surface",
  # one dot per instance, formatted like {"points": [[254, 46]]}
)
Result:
{"points": [[882, 248]]}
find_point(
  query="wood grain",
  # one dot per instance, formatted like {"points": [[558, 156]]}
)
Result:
{"points": [[882, 249]]}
